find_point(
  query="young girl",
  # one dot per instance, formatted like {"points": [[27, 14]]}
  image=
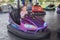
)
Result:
{"points": [[23, 11]]}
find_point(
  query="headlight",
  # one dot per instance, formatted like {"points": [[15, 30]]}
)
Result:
{"points": [[45, 24], [29, 26]]}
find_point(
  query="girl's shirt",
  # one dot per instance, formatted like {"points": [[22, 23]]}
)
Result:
{"points": [[23, 12]]}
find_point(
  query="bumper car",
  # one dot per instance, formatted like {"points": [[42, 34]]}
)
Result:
{"points": [[58, 9], [5, 8], [38, 10], [50, 7], [29, 27]]}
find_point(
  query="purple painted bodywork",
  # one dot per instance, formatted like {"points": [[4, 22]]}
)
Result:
{"points": [[58, 10], [37, 22]]}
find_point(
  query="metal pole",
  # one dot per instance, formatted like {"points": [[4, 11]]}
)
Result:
{"points": [[18, 4], [18, 11], [36, 1]]}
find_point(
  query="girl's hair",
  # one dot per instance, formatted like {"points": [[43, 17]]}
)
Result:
{"points": [[22, 8]]}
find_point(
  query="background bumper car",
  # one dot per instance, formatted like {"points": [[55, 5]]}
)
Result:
{"points": [[38, 10], [5, 8], [50, 7], [58, 9]]}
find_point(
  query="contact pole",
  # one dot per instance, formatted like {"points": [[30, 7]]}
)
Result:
{"points": [[18, 11]]}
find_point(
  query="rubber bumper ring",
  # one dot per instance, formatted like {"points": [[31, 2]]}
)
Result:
{"points": [[27, 35]]}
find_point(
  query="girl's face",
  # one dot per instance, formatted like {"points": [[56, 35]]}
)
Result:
{"points": [[24, 8]]}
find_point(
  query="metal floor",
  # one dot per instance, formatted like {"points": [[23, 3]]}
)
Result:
{"points": [[52, 19]]}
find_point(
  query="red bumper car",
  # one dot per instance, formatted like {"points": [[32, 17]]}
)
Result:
{"points": [[38, 10]]}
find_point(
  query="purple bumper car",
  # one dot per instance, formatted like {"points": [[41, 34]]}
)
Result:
{"points": [[29, 27]]}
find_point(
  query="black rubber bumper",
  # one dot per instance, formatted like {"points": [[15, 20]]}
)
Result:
{"points": [[3, 12], [40, 14], [40, 35], [50, 9]]}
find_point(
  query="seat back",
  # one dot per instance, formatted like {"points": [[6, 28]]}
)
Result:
{"points": [[15, 16]]}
